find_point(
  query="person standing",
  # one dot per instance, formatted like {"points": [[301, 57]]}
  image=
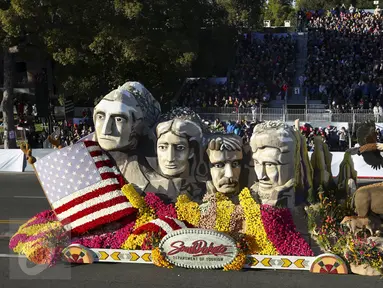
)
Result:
{"points": [[375, 110], [342, 139]]}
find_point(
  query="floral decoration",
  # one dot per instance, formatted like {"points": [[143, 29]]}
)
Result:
{"points": [[223, 215], [208, 208], [134, 242], [281, 231], [159, 260], [362, 251], [255, 232], [108, 239], [188, 210], [134, 198], [161, 209], [237, 264], [41, 239]]}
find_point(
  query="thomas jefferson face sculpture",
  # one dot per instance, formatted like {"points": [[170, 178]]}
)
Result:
{"points": [[273, 146], [225, 156], [121, 115], [174, 145]]}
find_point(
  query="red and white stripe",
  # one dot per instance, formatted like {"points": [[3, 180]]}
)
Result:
{"points": [[98, 204], [162, 225]]}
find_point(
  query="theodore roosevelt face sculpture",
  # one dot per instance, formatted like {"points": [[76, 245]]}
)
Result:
{"points": [[120, 117], [225, 157], [273, 145]]}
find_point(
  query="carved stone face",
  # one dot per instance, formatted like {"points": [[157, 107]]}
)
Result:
{"points": [[113, 125], [274, 158], [173, 154], [225, 169], [270, 170]]}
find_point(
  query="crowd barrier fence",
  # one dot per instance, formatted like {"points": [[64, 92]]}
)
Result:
{"points": [[13, 160], [288, 115]]}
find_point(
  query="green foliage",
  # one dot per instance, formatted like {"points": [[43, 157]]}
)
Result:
{"points": [[324, 220], [278, 11], [100, 44], [242, 13]]}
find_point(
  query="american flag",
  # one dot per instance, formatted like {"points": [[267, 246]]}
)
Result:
{"points": [[162, 226], [83, 187]]}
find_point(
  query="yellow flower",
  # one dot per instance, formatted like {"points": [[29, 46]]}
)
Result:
{"points": [[134, 242], [144, 216], [188, 210], [224, 210], [159, 259], [256, 235], [134, 198], [25, 247], [145, 213], [237, 264]]}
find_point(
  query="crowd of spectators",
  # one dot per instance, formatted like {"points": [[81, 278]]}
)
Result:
{"points": [[202, 92], [70, 134], [345, 59], [264, 69], [336, 139]]}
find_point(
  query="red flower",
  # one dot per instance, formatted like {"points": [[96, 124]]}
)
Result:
{"points": [[281, 231]]}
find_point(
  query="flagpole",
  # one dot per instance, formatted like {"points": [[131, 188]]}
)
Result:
{"points": [[32, 160]]}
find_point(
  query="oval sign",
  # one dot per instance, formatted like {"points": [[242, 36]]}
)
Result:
{"points": [[198, 248]]}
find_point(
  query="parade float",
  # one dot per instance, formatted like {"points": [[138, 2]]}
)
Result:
{"points": [[163, 189]]}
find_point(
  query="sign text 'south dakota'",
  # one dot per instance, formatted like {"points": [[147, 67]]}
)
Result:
{"points": [[198, 248]]}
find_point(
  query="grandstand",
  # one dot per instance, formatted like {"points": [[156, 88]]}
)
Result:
{"points": [[333, 71]]}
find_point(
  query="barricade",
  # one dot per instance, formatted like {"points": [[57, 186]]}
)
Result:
{"points": [[37, 153], [13, 160]]}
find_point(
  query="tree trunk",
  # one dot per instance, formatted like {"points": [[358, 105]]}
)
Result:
{"points": [[7, 102]]}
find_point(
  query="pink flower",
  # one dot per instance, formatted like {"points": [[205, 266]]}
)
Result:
{"points": [[161, 209], [111, 240], [281, 231]]}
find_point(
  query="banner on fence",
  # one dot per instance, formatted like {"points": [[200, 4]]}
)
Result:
{"points": [[11, 160]]}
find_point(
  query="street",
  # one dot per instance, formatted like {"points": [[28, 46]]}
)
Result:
{"points": [[22, 198]]}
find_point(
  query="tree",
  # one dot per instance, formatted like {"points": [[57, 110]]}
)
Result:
{"points": [[242, 13], [7, 102], [6, 105], [278, 11], [100, 44]]}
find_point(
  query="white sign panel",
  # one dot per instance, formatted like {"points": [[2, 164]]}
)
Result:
{"points": [[267, 23], [198, 248], [287, 24], [376, 2]]}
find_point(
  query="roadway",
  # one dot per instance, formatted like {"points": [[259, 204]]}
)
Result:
{"points": [[21, 198]]}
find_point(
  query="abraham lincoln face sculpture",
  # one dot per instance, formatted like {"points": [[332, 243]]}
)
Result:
{"points": [[274, 145]]}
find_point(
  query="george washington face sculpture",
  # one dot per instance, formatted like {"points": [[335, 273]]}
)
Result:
{"points": [[113, 124], [121, 115]]}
